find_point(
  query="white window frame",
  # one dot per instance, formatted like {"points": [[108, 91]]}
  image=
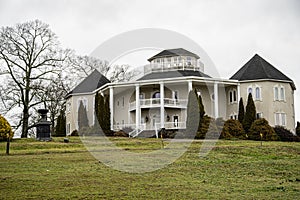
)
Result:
{"points": [[258, 95], [232, 95], [233, 116], [282, 93], [276, 93], [279, 93], [283, 119], [280, 119]]}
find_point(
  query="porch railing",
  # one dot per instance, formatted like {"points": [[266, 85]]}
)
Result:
{"points": [[155, 102]]}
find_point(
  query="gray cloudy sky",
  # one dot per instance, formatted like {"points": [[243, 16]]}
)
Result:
{"points": [[230, 31]]}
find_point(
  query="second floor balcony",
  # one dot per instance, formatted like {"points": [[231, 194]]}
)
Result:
{"points": [[156, 102], [173, 66]]}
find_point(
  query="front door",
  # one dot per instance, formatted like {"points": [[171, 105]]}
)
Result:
{"points": [[175, 121]]}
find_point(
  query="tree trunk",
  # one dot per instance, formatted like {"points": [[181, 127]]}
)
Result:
{"points": [[26, 108], [25, 123]]}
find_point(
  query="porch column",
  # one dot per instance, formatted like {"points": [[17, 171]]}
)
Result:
{"points": [[162, 105], [190, 86], [137, 107], [238, 96], [111, 107], [216, 98]]}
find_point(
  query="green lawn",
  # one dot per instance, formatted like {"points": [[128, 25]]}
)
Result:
{"points": [[232, 170]]}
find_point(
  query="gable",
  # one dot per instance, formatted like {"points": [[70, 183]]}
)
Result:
{"points": [[94, 81]]}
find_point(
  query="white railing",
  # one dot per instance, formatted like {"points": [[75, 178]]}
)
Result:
{"points": [[118, 127], [170, 125], [172, 66], [155, 102], [135, 131]]}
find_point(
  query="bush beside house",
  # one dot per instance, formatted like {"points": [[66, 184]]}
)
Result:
{"points": [[261, 126]]}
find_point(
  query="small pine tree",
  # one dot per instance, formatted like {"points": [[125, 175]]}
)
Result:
{"points": [[298, 129], [200, 104], [203, 127], [101, 111], [241, 114], [82, 117], [250, 115], [106, 116], [96, 109], [193, 117], [60, 129]]}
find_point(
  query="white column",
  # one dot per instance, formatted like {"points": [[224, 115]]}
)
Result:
{"points": [[111, 107], [190, 86], [216, 102], [162, 105], [137, 107], [238, 96]]}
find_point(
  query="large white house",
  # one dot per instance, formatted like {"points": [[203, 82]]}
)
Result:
{"points": [[159, 98]]}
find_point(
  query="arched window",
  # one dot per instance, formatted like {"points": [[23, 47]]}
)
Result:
{"points": [[282, 95], [230, 96], [249, 90], [156, 95], [234, 96], [257, 93], [276, 96]]}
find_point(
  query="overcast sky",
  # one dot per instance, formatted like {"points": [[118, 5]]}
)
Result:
{"points": [[230, 31]]}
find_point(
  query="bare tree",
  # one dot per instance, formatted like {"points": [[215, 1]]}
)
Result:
{"points": [[30, 52], [53, 96], [120, 73], [77, 67]]}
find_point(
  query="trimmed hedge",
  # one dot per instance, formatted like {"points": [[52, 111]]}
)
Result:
{"points": [[233, 129], [261, 126], [286, 135]]}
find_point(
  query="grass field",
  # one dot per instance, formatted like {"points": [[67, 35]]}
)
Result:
{"points": [[232, 170]]}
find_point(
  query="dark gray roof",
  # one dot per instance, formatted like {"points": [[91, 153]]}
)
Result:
{"points": [[257, 68], [173, 74], [173, 52], [92, 82]]}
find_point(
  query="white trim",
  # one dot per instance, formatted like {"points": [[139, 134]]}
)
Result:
{"points": [[111, 107], [238, 96], [162, 105], [233, 115], [232, 94], [216, 100], [280, 96], [259, 93], [137, 107], [280, 119], [190, 85]]}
